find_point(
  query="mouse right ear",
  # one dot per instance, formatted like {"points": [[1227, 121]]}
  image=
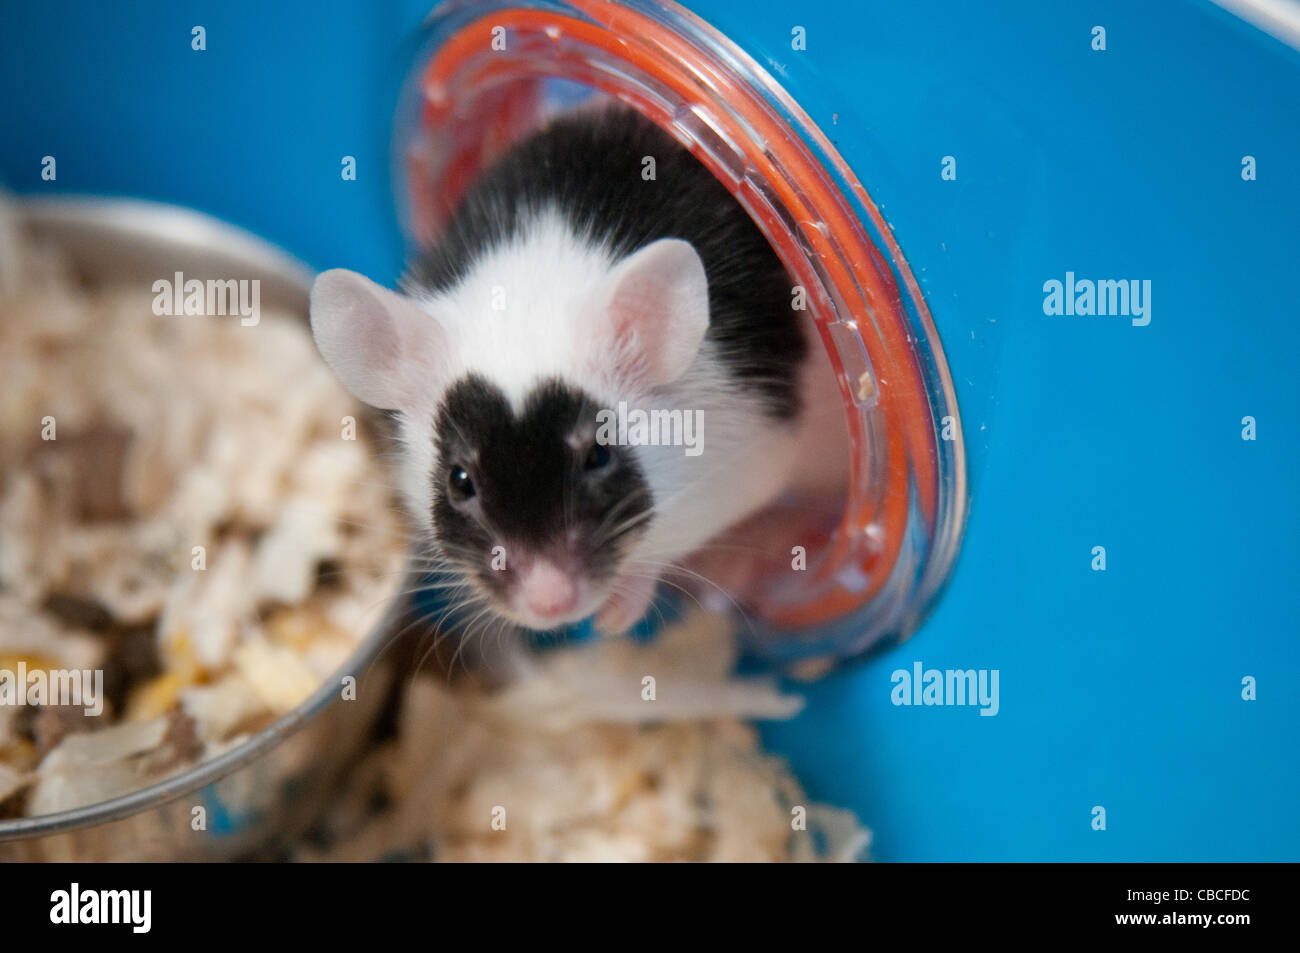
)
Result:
{"points": [[381, 345], [655, 310]]}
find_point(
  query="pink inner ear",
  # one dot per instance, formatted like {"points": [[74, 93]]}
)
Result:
{"points": [[633, 358], [377, 342], [658, 310], [376, 332]]}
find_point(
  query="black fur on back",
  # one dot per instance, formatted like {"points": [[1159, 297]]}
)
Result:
{"points": [[589, 166]]}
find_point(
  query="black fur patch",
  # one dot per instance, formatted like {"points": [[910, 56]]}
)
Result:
{"points": [[531, 488], [590, 168]]}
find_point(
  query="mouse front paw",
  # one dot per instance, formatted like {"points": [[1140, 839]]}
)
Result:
{"points": [[629, 601]]}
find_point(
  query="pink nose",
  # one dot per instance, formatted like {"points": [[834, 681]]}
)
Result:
{"points": [[548, 590]]}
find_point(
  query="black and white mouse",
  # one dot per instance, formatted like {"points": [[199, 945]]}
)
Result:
{"points": [[572, 298]]}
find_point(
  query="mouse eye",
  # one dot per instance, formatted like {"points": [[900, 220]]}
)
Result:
{"points": [[460, 484], [598, 457]]}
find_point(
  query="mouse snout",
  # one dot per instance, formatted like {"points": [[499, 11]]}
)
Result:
{"points": [[547, 588]]}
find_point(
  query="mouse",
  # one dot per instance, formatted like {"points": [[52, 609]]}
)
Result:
{"points": [[596, 369]]}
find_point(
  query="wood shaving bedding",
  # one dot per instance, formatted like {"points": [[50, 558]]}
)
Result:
{"points": [[170, 433], [571, 762]]}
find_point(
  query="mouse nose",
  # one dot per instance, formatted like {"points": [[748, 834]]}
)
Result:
{"points": [[547, 590]]}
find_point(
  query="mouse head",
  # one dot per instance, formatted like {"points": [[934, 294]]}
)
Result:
{"points": [[502, 466]]}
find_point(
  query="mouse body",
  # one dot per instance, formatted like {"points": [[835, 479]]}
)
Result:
{"points": [[596, 276]]}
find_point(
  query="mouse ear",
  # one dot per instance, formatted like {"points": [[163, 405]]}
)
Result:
{"points": [[656, 305], [381, 345]]}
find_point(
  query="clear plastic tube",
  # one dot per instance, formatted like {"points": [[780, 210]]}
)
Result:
{"points": [[490, 73]]}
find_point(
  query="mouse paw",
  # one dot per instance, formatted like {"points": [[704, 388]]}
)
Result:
{"points": [[625, 607]]}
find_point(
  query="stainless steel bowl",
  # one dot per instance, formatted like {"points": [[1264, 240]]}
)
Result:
{"points": [[276, 783]]}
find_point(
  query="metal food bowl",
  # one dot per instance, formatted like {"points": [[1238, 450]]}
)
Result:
{"points": [[276, 783]]}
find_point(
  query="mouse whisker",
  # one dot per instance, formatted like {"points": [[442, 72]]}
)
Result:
{"points": [[673, 567]]}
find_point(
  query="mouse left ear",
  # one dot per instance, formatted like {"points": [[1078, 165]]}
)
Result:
{"points": [[381, 345], [654, 309]]}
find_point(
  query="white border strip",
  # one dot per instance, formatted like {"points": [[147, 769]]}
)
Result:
{"points": [[1281, 18]]}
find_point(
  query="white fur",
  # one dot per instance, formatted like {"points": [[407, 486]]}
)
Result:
{"points": [[515, 317]]}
